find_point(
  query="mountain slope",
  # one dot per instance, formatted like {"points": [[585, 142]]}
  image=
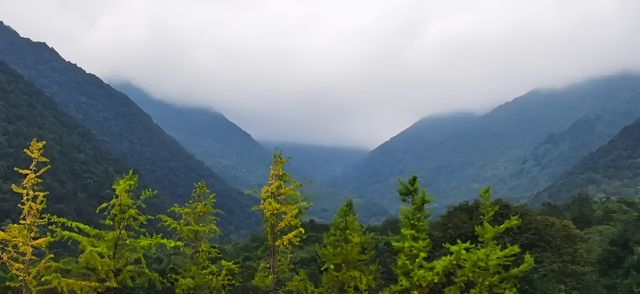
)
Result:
{"points": [[122, 127], [315, 166], [611, 170], [507, 148], [210, 136], [318, 163], [82, 172]]}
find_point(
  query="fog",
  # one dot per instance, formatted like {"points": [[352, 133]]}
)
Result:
{"points": [[349, 73]]}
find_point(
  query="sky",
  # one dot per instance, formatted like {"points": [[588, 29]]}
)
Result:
{"points": [[337, 72]]}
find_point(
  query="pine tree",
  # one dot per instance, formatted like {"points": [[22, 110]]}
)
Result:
{"points": [[200, 271], [116, 258], [347, 253], [282, 208], [486, 267], [415, 273], [23, 246]]}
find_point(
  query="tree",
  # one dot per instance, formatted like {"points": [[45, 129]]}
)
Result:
{"points": [[23, 246], [115, 258], [347, 255], [195, 228], [282, 208], [485, 267], [412, 268], [619, 261]]}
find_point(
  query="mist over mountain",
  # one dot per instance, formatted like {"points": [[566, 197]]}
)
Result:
{"points": [[210, 136], [518, 148], [216, 161], [122, 127], [318, 163], [611, 170]]}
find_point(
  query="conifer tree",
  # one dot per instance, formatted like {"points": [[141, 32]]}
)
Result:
{"points": [[23, 246], [200, 271], [115, 258], [414, 272], [347, 253], [486, 267], [282, 208]]}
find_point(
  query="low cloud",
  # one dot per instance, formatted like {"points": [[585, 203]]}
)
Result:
{"points": [[337, 72]]}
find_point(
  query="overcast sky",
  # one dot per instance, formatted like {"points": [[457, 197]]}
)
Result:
{"points": [[337, 72]]}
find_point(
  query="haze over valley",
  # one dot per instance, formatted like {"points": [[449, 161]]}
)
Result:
{"points": [[334, 147]]}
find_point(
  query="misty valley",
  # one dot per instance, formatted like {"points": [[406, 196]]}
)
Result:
{"points": [[107, 186]]}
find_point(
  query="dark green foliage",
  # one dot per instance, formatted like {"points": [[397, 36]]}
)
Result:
{"points": [[83, 170], [612, 170], [567, 260], [211, 137], [123, 128], [518, 148]]}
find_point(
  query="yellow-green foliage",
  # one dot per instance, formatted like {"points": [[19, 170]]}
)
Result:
{"points": [[486, 267], [347, 255], [414, 272], [115, 258], [200, 270], [23, 246], [282, 209]]}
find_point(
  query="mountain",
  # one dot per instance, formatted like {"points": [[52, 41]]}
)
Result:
{"points": [[315, 166], [318, 163], [518, 148], [82, 171], [210, 136], [123, 128], [611, 170]]}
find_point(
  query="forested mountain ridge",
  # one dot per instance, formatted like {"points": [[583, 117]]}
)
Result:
{"points": [[316, 166], [210, 136], [82, 172], [518, 148], [319, 163], [122, 127], [611, 170]]}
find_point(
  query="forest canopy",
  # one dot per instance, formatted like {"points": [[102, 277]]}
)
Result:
{"points": [[586, 245]]}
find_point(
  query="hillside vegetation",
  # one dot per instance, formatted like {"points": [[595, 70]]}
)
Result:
{"points": [[121, 127]]}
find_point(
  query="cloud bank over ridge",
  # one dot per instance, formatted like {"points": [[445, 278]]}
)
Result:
{"points": [[337, 72]]}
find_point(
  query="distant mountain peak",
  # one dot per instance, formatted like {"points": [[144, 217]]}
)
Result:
{"points": [[209, 135]]}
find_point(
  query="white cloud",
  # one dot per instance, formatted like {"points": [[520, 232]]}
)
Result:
{"points": [[337, 72]]}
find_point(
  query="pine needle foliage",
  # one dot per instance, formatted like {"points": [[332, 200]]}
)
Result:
{"points": [[199, 264], [347, 253], [486, 267], [114, 259], [414, 272], [23, 246], [282, 207]]}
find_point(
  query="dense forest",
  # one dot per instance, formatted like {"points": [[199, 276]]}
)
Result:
{"points": [[586, 245], [120, 127], [123, 192]]}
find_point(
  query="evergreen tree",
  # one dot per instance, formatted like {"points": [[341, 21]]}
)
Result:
{"points": [[415, 273], [347, 255], [116, 258], [195, 228], [486, 267], [23, 246], [282, 208]]}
